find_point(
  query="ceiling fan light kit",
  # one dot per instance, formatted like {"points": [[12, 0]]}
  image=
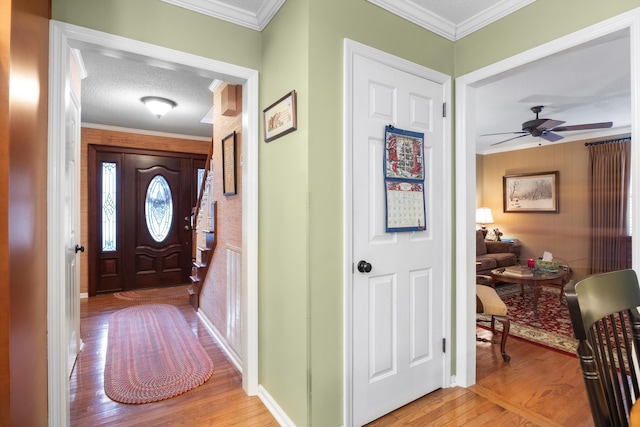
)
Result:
{"points": [[157, 105], [546, 128]]}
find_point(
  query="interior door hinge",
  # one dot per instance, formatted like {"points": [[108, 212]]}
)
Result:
{"points": [[444, 109], [444, 345]]}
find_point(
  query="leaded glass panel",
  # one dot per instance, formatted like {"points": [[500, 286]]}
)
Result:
{"points": [[158, 208], [109, 206]]}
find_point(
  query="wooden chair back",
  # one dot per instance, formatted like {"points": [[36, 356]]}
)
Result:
{"points": [[606, 322]]}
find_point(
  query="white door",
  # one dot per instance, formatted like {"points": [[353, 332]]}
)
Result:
{"points": [[72, 215], [398, 306]]}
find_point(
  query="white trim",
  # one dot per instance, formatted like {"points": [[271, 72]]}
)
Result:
{"points": [[57, 379], [488, 16], [275, 409], [351, 49], [236, 15], [221, 341], [465, 168], [428, 20], [145, 132], [60, 34]]}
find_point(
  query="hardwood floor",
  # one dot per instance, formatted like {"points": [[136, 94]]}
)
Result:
{"points": [[538, 387], [220, 401]]}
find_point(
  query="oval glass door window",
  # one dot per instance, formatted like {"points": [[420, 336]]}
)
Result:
{"points": [[158, 208]]}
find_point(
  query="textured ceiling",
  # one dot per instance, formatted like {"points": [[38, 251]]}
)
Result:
{"points": [[113, 87]]}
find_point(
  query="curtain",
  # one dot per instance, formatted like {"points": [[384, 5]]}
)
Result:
{"points": [[610, 167]]}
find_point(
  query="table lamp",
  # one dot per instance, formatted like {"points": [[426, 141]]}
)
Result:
{"points": [[484, 217]]}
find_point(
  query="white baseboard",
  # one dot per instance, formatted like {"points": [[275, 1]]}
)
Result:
{"points": [[275, 409], [221, 341], [84, 295]]}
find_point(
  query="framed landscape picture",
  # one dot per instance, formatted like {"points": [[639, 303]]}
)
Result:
{"points": [[532, 192]]}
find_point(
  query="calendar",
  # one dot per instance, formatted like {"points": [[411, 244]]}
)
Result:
{"points": [[405, 206], [404, 177]]}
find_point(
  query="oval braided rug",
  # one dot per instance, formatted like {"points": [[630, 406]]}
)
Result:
{"points": [[152, 355]]}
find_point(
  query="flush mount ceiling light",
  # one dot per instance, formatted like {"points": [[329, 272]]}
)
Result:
{"points": [[157, 105]]}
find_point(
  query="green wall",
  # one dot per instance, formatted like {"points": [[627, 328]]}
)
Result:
{"points": [[536, 24], [283, 218], [300, 208], [160, 23]]}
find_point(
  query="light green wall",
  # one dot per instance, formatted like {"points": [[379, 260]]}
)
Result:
{"points": [[160, 23], [536, 24], [283, 216], [300, 207]]}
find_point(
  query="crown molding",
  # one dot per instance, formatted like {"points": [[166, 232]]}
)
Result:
{"points": [[408, 10], [226, 12], [489, 16]]}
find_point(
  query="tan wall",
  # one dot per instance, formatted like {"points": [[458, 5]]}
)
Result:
{"points": [[120, 139], [565, 234], [229, 214]]}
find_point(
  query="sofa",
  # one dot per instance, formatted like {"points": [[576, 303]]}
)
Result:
{"points": [[491, 254]]}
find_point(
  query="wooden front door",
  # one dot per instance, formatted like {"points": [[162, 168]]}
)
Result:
{"points": [[143, 203]]}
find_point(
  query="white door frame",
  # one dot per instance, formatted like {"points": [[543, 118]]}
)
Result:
{"points": [[466, 167], [351, 49], [61, 35]]}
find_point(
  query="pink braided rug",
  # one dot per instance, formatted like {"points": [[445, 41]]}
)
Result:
{"points": [[152, 355]]}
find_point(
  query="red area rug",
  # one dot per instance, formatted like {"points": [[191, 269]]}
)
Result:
{"points": [[152, 355], [551, 329], [154, 294]]}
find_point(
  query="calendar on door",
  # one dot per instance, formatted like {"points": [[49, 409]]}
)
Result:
{"points": [[404, 180], [405, 206]]}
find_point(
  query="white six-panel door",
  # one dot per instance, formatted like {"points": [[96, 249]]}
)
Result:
{"points": [[397, 307]]}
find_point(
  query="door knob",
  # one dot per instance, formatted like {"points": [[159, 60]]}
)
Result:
{"points": [[79, 248], [364, 267]]}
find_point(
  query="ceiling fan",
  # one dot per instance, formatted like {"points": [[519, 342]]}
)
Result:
{"points": [[546, 128]]}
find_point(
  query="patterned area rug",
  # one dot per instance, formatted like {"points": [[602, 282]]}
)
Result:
{"points": [[551, 329], [154, 294], [152, 355]]}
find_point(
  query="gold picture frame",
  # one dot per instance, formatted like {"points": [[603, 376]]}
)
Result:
{"points": [[280, 118], [531, 192], [229, 164]]}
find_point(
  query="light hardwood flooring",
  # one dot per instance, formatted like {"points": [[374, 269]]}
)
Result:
{"points": [[220, 401], [538, 387]]}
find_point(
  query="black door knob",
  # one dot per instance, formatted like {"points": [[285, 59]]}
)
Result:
{"points": [[364, 267], [79, 248]]}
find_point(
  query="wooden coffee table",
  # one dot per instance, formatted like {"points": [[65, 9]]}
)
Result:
{"points": [[535, 282]]}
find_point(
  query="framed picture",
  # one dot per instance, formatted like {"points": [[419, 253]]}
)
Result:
{"points": [[229, 164], [280, 117], [532, 192]]}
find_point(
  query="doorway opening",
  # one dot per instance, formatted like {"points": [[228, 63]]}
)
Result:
{"points": [[466, 107], [63, 37]]}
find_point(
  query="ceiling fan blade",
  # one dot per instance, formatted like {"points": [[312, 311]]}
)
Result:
{"points": [[510, 139], [602, 125], [504, 133], [549, 124], [551, 137]]}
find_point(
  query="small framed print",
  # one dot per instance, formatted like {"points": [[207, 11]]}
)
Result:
{"points": [[280, 118], [229, 164]]}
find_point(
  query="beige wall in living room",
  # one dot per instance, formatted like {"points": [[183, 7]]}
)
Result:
{"points": [[564, 234]]}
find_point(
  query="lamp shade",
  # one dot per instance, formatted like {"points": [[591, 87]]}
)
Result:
{"points": [[484, 216], [157, 105]]}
